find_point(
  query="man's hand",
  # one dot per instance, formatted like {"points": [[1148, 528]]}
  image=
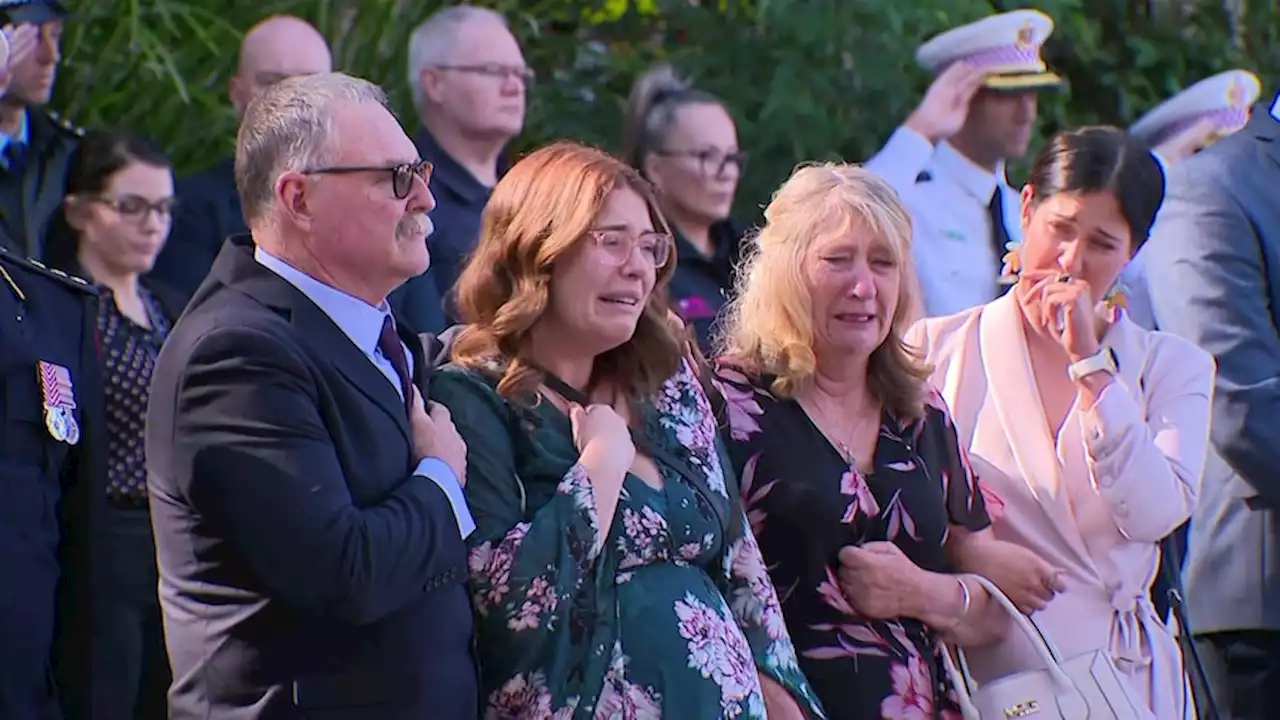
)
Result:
{"points": [[435, 436], [945, 106], [18, 44], [1185, 143]]}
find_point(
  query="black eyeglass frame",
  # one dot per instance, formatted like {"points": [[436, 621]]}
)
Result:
{"points": [[401, 175], [704, 158]]}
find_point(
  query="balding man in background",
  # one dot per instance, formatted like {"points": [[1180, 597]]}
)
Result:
{"points": [[308, 512], [208, 210], [469, 82]]}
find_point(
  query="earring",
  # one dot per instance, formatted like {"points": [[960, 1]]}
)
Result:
{"points": [[1011, 264], [1116, 300]]}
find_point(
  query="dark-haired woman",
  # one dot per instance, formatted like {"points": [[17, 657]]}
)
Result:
{"points": [[1091, 430], [684, 141], [113, 223]]}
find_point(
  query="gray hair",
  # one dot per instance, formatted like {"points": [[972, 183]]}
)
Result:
{"points": [[290, 127], [434, 41]]}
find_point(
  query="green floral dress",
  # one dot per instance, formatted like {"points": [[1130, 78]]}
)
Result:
{"points": [[658, 619]]}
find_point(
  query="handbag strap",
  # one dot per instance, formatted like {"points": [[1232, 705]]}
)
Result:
{"points": [[963, 682]]}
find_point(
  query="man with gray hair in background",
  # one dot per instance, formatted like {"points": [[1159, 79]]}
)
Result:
{"points": [[469, 82], [306, 500]]}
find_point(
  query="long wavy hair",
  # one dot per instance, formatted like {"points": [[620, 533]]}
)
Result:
{"points": [[768, 327], [538, 212]]}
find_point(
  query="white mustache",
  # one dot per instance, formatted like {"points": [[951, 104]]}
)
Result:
{"points": [[415, 225]]}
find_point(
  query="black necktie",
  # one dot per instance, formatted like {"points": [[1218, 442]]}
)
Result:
{"points": [[14, 155], [999, 233], [389, 344]]}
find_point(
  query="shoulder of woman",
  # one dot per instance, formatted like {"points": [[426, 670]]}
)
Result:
{"points": [[465, 390]]}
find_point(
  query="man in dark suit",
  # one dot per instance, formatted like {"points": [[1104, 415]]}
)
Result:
{"points": [[1214, 277], [208, 210], [49, 454], [308, 512]]}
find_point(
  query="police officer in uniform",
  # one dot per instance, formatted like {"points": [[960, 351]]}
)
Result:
{"points": [[947, 159], [49, 456], [35, 144]]}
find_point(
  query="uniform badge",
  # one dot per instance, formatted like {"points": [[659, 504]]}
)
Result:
{"points": [[1026, 36], [1235, 94], [59, 402]]}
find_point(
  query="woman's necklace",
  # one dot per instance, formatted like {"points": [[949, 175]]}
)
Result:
{"points": [[842, 441]]}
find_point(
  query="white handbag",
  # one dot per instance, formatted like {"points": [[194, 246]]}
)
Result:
{"points": [[1086, 686]]}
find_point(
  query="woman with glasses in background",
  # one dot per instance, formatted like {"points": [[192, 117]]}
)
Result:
{"points": [[612, 571], [684, 141], [114, 220]]}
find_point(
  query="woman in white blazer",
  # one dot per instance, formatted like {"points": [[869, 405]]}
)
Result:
{"points": [[1090, 430]]}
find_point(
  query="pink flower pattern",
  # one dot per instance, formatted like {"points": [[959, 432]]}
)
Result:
{"points": [[912, 697], [537, 558], [791, 482], [864, 502], [719, 651]]}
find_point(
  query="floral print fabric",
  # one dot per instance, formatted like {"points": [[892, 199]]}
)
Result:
{"points": [[658, 618], [804, 502]]}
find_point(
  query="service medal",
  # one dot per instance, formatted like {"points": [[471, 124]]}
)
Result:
{"points": [[59, 402]]}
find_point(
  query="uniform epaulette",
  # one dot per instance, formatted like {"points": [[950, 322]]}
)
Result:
{"points": [[38, 268], [64, 124]]}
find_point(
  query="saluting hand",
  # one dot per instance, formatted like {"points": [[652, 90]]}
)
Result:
{"points": [[945, 106], [22, 40]]}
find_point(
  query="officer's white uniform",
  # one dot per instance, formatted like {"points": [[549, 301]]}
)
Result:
{"points": [[1225, 98], [947, 195]]}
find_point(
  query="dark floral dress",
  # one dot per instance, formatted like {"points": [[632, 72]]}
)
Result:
{"points": [[660, 618], [805, 502]]}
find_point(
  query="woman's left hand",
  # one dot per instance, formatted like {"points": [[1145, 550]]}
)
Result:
{"points": [[1068, 313], [878, 580], [778, 703]]}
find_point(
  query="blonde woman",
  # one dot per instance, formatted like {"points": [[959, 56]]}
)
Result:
{"points": [[857, 490]]}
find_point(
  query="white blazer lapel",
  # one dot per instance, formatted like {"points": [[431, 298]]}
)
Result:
{"points": [[1017, 403]]}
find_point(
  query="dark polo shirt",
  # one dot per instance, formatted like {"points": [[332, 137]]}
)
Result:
{"points": [[702, 284]]}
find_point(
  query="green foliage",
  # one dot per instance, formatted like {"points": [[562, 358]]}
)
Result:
{"points": [[806, 79]]}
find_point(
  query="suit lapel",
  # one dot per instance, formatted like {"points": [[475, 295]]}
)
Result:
{"points": [[1016, 399], [236, 267], [1265, 128]]}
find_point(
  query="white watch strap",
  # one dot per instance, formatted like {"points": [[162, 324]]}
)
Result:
{"points": [[1092, 364]]}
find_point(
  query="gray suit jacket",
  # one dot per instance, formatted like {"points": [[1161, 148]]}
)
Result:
{"points": [[1214, 278]]}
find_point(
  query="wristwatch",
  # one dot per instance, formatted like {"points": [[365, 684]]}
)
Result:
{"points": [[1104, 360]]}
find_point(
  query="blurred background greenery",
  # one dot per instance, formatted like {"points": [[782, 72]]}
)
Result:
{"points": [[806, 79]]}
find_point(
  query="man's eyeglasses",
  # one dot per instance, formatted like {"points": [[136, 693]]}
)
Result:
{"points": [[711, 163], [401, 175], [618, 245], [494, 70], [138, 209]]}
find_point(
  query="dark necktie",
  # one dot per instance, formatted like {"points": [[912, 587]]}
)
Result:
{"points": [[999, 233], [389, 344], [14, 155]]}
